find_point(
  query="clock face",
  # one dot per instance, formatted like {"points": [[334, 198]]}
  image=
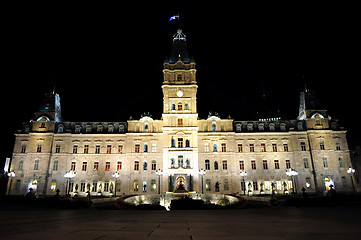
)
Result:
{"points": [[179, 93]]}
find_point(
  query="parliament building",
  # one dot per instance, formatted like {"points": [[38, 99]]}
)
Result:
{"points": [[151, 156]]}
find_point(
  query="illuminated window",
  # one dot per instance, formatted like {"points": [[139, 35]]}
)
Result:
{"points": [[135, 186], [154, 185], [267, 185], [263, 147], [180, 106], [208, 185], [180, 122], [53, 186], [144, 186], [308, 182], [107, 166], [119, 165], [96, 166], [154, 165], [120, 148], [109, 149]]}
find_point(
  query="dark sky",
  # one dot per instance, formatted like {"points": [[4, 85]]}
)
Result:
{"points": [[107, 60]]}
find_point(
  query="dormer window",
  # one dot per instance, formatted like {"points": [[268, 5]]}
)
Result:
{"points": [[99, 128]]}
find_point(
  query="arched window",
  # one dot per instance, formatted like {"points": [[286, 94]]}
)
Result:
{"points": [[261, 127], [146, 127], [208, 185], [300, 126], [238, 127], [121, 128], [145, 166], [110, 128], [145, 148], [188, 163], [135, 186], [99, 128], [60, 129], [172, 144], [144, 186], [77, 129], [215, 148], [250, 127], [180, 106], [55, 166], [207, 165], [173, 106], [272, 127], [187, 143], [283, 127], [214, 127], [215, 165], [186, 107]]}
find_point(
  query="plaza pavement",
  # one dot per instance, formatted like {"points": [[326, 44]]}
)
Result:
{"points": [[262, 223]]}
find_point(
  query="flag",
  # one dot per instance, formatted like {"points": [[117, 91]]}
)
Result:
{"points": [[174, 17]]}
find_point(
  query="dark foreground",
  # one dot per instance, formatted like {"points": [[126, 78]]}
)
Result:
{"points": [[342, 222]]}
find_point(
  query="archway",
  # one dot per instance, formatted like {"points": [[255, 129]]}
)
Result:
{"points": [[181, 183]]}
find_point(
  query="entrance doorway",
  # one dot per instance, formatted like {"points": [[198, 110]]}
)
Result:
{"points": [[181, 184], [328, 183]]}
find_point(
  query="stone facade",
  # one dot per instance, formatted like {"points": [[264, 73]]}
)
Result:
{"points": [[180, 145]]}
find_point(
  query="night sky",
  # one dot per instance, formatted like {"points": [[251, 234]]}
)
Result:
{"points": [[107, 61]]}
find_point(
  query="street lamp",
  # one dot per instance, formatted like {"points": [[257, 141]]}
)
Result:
{"points": [[243, 174], [292, 173], [11, 174], [68, 175], [159, 173], [202, 173], [116, 176], [351, 171]]}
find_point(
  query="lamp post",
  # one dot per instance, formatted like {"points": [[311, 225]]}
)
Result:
{"points": [[202, 172], [243, 174], [11, 174], [68, 175], [351, 171], [159, 173], [116, 176], [292, 173]]}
